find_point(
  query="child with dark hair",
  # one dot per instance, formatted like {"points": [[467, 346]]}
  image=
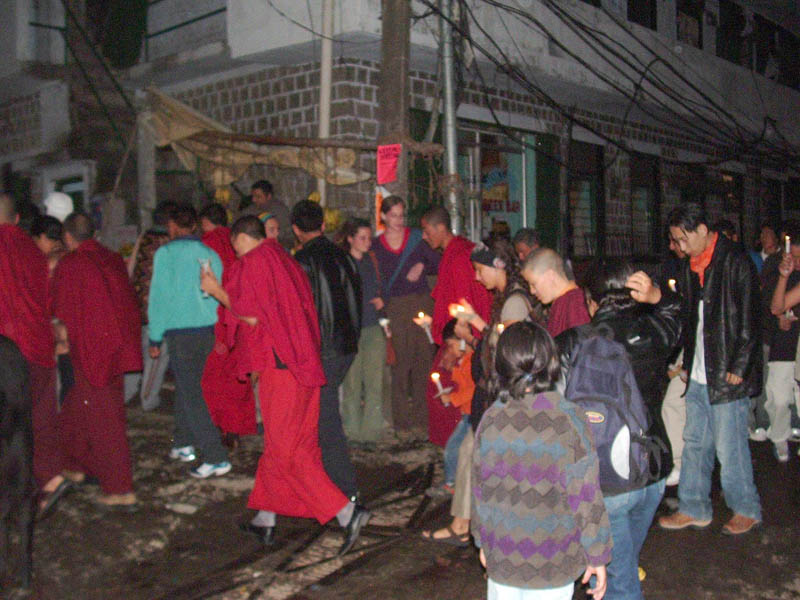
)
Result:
{"points": [[448, 412], [47, 233], [538, 532]]}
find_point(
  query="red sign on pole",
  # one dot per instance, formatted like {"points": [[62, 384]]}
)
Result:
{"points": [[387, 162]]}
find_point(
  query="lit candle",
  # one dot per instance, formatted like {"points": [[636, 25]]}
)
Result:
{"points": [[671, 284], [424, 321], [384, 323], [500, 328], [788, 243], [435, 377]]}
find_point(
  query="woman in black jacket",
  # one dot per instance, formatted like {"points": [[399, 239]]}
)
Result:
{"points": [[626, 306]]}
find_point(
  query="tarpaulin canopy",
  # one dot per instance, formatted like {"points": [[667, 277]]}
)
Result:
{"points": [[220, 156]]}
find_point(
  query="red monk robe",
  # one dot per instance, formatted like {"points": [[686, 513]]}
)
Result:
{"points": [[268, 284], [230, 400], [92, 296], [456, 281], [25, 320]]}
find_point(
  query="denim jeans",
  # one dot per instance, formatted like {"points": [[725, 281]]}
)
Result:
{"points": [[720, 429], [451, 450], [630, 515]]}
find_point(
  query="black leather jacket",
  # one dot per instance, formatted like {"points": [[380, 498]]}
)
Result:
{"points": [[336, 287], [649, 333], [732, 322]]}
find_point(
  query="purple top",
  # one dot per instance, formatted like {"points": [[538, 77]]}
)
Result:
{"points": [[387, 263]]}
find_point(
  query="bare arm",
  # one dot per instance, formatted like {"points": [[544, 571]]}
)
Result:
{"points": [[781, 299]]}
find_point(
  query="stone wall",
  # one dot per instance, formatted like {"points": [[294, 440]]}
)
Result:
{"points": [[21, 119], [283, 101]]}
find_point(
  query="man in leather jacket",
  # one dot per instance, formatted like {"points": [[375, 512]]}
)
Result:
{"points": [[336, 288], [723, 356]]}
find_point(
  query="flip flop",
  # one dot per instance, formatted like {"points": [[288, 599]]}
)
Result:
{"points": [[454, 539], [50, 498]]}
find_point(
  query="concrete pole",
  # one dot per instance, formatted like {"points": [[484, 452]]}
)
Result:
{"points": [[450, 139], [145, 169], [325, 80]]}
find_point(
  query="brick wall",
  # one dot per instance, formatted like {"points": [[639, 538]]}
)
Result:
{"points": [[21, 129]]}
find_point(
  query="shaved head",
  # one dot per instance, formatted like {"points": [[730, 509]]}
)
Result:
{"points": [[8, 208], [79, 226], [542, 259]]}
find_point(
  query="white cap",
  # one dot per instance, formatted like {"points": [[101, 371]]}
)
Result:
{"points": [[58, 205]]}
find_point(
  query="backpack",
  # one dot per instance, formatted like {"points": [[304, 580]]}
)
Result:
{"points": [[601, 383]]}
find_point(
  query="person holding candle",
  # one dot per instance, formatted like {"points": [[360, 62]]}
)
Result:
{"points": [[497, 269], [405, 263], [449, 403]]}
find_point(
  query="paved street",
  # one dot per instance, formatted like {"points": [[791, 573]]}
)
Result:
{"points": [[184, 543]]}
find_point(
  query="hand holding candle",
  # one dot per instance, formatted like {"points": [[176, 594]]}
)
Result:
{"points": [[788, 243], [672, 285], [441, 391], [424, 321], [461, 310], [384, 323]]}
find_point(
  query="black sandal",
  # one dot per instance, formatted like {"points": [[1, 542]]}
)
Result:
{"points": [[454, 539], [49, 499]]}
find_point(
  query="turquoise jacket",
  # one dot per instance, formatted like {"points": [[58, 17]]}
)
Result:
{"points": [[176, 301]]}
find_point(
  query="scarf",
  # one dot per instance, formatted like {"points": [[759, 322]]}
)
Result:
{"points": [[699, 263]]}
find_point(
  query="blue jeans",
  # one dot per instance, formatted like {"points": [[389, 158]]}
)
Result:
{"points": [[722, 430], [630, 515], [451, 450]]}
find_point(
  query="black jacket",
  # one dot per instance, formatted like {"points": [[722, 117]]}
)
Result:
{"points": [[649, 333], [732, 322], [336, 287]]}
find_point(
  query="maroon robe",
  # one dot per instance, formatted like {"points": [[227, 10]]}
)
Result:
{"points": [[25, 320], [456, 281], [442, 420], [284, 348], [92, 296], [219, 240], [230, 400]]}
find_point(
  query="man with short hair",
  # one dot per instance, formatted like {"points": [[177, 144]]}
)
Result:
{"points": [[265, 203], [272, 322], [456, 279], [24, 319], [525, 241], [723, 355], [93, 298], [545, 272], [336, 288], [180, 313]]}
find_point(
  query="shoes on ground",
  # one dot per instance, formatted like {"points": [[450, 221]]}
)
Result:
{"points": [[118, 502], [210, 469], [759, 434], [265, 535], [739, 524], [183, 454], [782, 451], [360, 518], [678, 520], [674, 477], [49, 499]]}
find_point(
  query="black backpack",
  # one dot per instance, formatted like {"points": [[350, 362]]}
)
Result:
{"points": [[601, 382]]}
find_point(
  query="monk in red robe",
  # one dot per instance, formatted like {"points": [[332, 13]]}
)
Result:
{"points": [[230, 400], [92, 296], [456, 276], [272, 326], [25, 320]]}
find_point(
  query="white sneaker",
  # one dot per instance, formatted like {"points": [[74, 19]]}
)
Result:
{"points": [[795, 435], [208, 469], [782, 451], [674, 477], [759, 434], [183, 454]]}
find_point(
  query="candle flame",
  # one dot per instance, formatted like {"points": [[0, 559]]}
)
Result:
{"points": [[435, 376], [421, 315], [500, 328]]}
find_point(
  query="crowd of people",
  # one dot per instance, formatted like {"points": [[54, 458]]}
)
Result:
{"points": [[564, 407]]}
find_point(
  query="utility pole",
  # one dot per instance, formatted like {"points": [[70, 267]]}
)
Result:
{"points": [[393, 92], [452, 201], [325, 79]]}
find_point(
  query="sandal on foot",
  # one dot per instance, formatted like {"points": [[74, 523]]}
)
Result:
{"points": [[452, 539], [117, 503], [49, 499]]}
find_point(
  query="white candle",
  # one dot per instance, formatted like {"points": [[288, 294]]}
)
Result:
{"points": [[425, 323], [788, 243], [671, 284], [500, 328], [436, 377]]}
